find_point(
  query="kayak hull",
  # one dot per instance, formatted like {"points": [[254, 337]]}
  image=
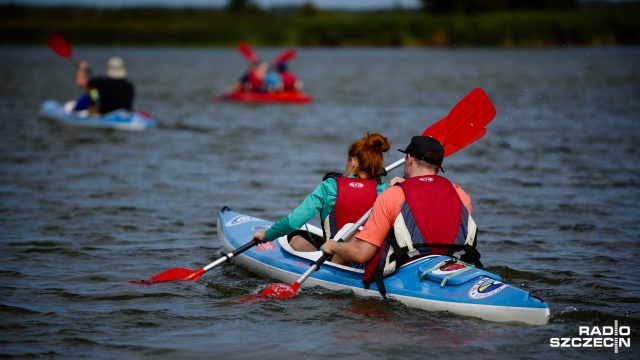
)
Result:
{"points": [[275, 97], [118, 119], [469, 292]]}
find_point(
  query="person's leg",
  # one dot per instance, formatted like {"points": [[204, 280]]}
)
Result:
{"points": [[82, 103], [299, 243]]}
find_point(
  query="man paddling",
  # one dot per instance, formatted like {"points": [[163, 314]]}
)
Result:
{"points": [[105, 93], [424, 209]]}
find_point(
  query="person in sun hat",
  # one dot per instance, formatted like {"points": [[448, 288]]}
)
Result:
{"points": [[105, 93], [339, 199], [423, 210]]}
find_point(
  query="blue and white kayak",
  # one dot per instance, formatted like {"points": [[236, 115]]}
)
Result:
{"points": [[118, 119], [433, 283]]}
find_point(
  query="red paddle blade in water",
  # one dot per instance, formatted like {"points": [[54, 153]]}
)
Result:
{"points": [[60, 46], [280, 290], [172, 275]]}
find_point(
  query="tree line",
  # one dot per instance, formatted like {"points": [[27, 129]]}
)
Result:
{"points": [[463, 23]]}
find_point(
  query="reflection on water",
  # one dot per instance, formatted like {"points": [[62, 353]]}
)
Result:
{"points": [[83, 211]]}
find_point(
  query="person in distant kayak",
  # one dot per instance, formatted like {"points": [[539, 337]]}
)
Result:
{"points": [[273, 80], [340, 199], [289, 80], [253, 80], [105, 93], [424, 209]]}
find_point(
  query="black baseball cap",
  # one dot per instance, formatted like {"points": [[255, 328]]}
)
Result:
{"points": [[419, 147]]}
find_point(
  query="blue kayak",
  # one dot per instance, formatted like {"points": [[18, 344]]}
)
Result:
{"points": [[433, 283], [118, 119]]}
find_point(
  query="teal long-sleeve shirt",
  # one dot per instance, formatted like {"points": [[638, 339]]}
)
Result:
{"points": [[321, 200]]}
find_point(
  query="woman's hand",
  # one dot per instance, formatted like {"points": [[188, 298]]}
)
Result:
{"points": [[260, 235], [396, 180]]}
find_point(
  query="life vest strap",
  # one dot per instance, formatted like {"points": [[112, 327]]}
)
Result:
{"points": [[467, 253]]}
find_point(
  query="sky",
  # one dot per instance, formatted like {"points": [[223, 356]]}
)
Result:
{"points": [[322, 4]]}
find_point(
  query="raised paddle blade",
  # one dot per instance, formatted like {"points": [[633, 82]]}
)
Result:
{"points": [[465, 123], [451, 148], [60, 46], [437, 131], [248, 52], [285, 56]]}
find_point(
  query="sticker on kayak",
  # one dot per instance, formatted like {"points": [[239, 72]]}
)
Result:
{"points": [[241, 219], [446, 269], [265, 246], [485, 288], [260, 227]]}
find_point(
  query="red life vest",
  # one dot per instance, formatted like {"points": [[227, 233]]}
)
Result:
{"points": [[255, 82], [432, 213], [355, 197], [288, 81]]}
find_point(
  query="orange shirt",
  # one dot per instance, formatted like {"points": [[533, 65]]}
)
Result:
{"points": [[387, 208]]}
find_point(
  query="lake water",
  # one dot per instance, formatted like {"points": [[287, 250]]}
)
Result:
{"points": [[554, 183]]}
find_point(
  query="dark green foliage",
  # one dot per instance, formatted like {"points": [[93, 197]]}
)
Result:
{"points": [[479, 6], [311, 27]]}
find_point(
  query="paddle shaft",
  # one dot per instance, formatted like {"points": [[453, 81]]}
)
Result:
{"points": [[227, 257], [316, 265]]}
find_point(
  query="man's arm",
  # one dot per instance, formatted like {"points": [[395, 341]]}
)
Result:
{"points": [[81, 75], [356, 250]]}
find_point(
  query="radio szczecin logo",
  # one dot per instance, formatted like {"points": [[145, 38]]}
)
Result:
{"points": [[597, 337]]}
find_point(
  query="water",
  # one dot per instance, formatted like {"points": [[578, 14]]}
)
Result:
{"points": [[554, 185]]}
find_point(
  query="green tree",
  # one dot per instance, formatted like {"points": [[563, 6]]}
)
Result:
{"points": [[478, 6], [238, 6], [308, 10]]}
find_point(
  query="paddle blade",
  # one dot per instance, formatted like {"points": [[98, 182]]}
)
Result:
{"points": [[285, 56], [173, 275], [467, 119], [465, 123], [281, 290], [247, 52], [437, 131], [452, 149], [60, 46]]}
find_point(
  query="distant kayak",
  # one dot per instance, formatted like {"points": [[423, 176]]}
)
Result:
{"points": [[258, 97], [118, 119]]}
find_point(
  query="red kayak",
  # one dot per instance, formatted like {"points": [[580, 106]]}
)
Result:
{"points": [[257, 97]]}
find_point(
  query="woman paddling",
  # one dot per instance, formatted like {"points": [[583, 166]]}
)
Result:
{"points": [[340, 199]]}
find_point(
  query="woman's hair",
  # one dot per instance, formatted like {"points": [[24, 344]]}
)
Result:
{"points": [[368, 151]]}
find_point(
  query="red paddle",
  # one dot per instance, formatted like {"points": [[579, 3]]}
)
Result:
{"points": [[465, 124], [193, 275], [285, 56], [60, 46], [252, 56], [248, 52]]}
